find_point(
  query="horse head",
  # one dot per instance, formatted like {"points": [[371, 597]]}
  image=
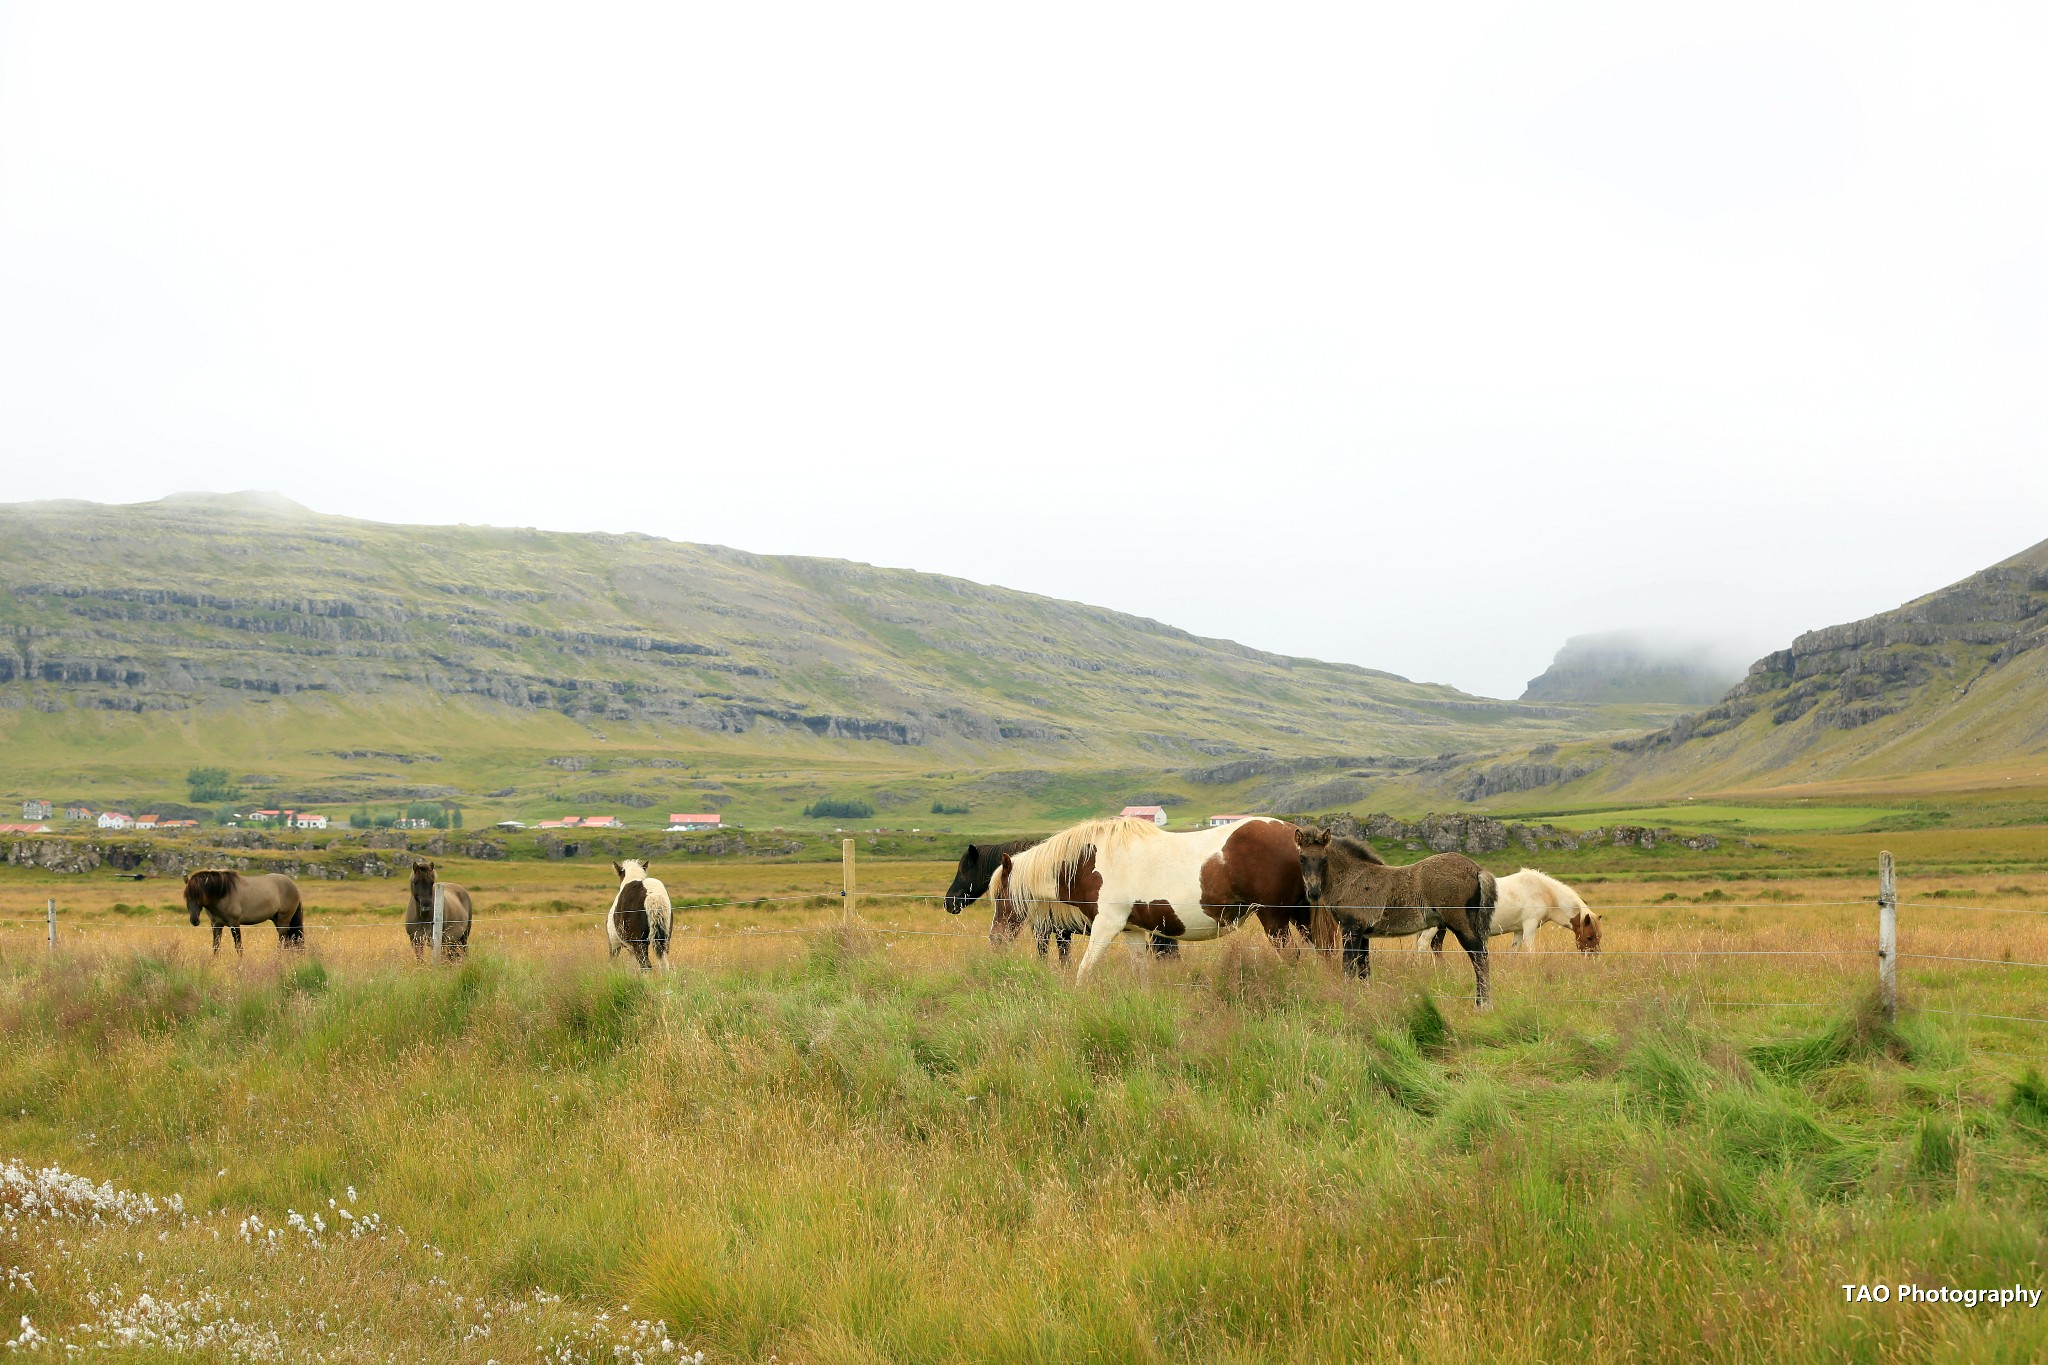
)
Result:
{"points": [[633, 870], [963, 892], [1312, 843], [1586, 931], [203, 890]]}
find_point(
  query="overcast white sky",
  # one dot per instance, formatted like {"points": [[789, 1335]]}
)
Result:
{"points": [[1421, 336]]}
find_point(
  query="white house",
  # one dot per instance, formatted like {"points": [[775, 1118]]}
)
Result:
{"points": [[113, 819], [1156, 814], [1219, 821], [603, 822], [306, 819], [677, 823]]}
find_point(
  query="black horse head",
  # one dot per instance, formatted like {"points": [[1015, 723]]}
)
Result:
{"points": [[977, 869]]}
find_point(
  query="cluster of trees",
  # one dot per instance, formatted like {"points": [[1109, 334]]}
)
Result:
{"points": [[943, 808], [437, 814], [831, 809], [209, 785]]}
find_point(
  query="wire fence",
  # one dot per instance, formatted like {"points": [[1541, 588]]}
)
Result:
{"points": [[686, 931]]}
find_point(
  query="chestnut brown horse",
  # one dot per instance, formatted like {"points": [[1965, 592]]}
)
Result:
{"points": [[1107, 876], [232, 899], [1358, 898]]}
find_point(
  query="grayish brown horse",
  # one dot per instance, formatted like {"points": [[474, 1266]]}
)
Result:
{"points": [[419, 914], [1358, 898], [233, 899]]}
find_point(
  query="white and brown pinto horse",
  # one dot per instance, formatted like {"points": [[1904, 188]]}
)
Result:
{"points": [[232, 899], [1108, 876], [1528, 900], [639, 918]]}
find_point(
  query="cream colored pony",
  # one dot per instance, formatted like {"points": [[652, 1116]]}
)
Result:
{"points": [[1528, 900]]}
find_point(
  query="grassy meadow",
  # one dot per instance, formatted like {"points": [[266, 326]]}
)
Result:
{"points": [[894, 1143]]}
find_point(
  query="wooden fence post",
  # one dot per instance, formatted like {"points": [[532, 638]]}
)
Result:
{"points": [[1887, 938], [846, 884], [440, 917], [51, 907]]}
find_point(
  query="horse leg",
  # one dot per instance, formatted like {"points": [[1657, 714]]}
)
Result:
{"points": [[1162, 946], [1043, 934], [1108, 926], [1474, 944], [1066, 937], [216, 938], [236, 930], [1357, 952], [1436, 940]]}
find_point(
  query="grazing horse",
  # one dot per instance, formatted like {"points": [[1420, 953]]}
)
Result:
{"points": [[419, 914], [639, 917], [1107, 876], [232, 899], [1358, 898], [978, 867], [1529, 899]]}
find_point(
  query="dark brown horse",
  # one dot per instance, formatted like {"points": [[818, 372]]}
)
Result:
{"points": [[971, 879], [233, 899], [1358, 898], [419, 915]]}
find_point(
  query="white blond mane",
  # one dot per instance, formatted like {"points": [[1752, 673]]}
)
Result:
{"points": [[1036, 873]]}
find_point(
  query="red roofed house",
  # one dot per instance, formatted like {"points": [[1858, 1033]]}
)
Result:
{"points": [[1156, 814], [1219, 821], [36, 810], [75, 811], [145, 822], [114, 819], [24, 829], [603, 822], [689, 822]]}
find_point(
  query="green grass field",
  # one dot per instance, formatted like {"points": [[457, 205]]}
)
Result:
{"points": [[895, 1144]]}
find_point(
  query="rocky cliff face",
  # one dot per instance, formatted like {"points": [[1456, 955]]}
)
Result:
{"points": [[1955, 676]]}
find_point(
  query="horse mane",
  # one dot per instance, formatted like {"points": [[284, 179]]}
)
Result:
{"points": [[1037, 871], [632, 870], [1357, 848], [211, 883]]}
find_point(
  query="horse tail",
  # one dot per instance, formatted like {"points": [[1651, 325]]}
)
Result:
{"points": [[1323, 933], [297, 923], [1489, 896]]}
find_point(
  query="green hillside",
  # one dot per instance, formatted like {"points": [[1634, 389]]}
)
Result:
{"points": [[325, 660]]}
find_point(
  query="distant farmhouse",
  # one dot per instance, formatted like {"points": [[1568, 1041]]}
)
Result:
{"points": [[24, 829], [114, 819], [680, 823], [1156, 814], [1219, 821], [583, 822], [76, 811], [37, 810]]}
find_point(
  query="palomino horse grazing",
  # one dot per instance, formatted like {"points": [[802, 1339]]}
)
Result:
{"points": [[232, 899], [1358, 898], [419, 914], [978, 867], [639, 917], [1529, 899], [1110, 875]]}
